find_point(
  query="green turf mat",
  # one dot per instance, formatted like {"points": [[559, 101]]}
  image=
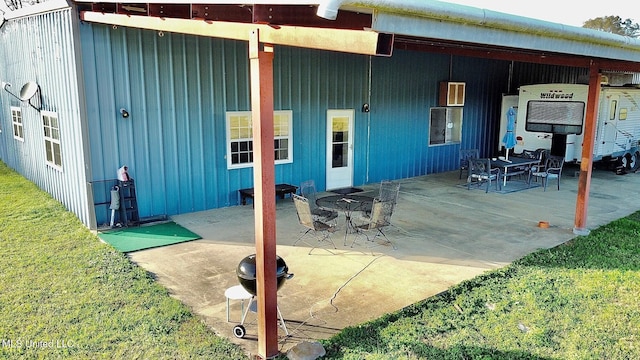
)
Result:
{"points": [[145, 237]]}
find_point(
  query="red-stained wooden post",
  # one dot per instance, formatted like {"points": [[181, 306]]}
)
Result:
{"points": [[261, 64], [584, 182]]}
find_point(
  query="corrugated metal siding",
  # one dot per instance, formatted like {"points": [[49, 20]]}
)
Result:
{"points": [[6, 131], [177, 89], [405, 87], [486, 80], [529, 74], [311, 82], [41, 48]]}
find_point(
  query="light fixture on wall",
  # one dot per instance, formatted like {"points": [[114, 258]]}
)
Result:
{"points": [[124, 113], [29, 92], [365, 107]]}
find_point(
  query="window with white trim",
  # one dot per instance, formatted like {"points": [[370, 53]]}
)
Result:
{"points": [[52, 139], [240, 138], [16, 119]]}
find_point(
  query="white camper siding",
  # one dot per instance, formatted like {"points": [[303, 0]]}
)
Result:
{"points": [[618, 122], [41, 48], [536, 140]]}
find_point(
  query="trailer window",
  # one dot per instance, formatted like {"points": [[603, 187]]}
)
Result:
{"points": [[623, 114], [612, 109], [556, 117]]}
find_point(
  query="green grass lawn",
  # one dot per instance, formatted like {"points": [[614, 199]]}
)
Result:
{"points": [[64, 294], [580, 300]]}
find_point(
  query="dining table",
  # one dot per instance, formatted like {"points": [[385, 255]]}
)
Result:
{"points": [[347, 204], [512, 164]]}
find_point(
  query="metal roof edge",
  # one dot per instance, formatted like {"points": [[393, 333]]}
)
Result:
{"points": [[469, 34], [483, 18]]}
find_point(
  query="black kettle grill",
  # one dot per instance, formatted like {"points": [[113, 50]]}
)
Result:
{"points": [[247, 276]]}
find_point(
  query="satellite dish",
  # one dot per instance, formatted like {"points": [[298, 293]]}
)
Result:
{"points": [[28, 90]]}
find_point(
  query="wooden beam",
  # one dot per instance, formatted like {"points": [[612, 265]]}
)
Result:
{"points": [[343, 40], [586, 164], [612, 65], [261, 65], [509, 54], [486, 52]]}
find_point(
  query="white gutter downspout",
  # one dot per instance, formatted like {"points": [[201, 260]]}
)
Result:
{"points": [[329, 9]]}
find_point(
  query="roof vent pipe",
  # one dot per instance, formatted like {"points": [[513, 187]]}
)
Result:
{"points": [[329, 9]]}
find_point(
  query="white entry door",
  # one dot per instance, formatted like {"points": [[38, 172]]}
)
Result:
{"points": [[339, 148]]}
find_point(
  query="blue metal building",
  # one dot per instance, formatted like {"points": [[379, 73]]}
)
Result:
{"points": [[187, 95]]}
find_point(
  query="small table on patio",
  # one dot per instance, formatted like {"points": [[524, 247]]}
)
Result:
{"points": [[347, 204], [512, 163]]}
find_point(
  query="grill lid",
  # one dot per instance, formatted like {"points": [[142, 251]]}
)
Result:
{"points": [[246, 273]]}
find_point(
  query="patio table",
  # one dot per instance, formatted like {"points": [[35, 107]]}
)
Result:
{"points": [[511, 164], [347, 204]]}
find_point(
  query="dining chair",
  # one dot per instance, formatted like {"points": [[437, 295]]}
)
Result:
{"points": [[381, 212], [321, 231], [552, 170], [465, 155], [544, 154], [529, 155], [308, 190], [480, 172]]}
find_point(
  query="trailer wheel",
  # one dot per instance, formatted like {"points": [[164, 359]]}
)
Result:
{"points": [[629, 162], [634, 161]]}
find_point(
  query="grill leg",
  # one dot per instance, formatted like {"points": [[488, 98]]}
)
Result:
{"points": [[244, 316], [282, 321]]}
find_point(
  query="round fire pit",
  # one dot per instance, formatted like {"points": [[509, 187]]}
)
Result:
{"points": [[246, 272]]}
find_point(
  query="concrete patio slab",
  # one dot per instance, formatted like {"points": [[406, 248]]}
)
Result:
{"points": [[444, 233]]}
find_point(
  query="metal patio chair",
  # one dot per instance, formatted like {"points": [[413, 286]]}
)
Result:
{"points": [[530, 155], [320, 231], [308, 190], [480, 172], [465, 155], [380, 218], [389, 191], [552, 170]]}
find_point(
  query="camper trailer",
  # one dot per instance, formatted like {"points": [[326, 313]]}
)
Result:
{"points": [[551, 116]]}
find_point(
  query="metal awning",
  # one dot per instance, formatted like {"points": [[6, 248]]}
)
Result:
{"points": [[411, 24]]}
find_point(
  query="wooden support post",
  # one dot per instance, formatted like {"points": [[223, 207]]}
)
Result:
{"points": [[586, 164], [261, 64]]}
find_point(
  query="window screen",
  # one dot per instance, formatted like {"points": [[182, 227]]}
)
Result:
{"points": [[557, 117]]}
